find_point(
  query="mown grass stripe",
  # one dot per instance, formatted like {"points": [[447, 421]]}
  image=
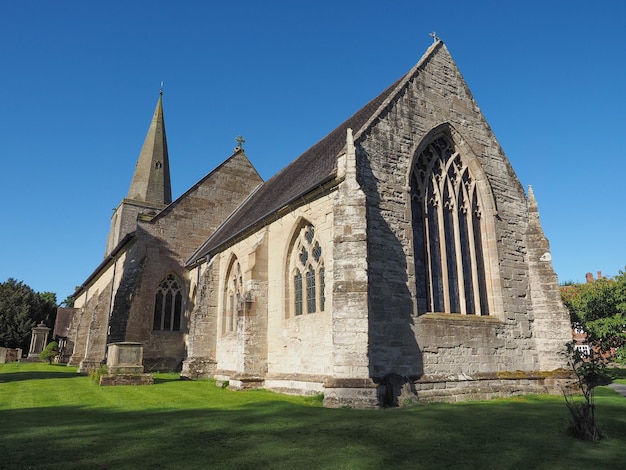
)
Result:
{"points": [[51, 411]]}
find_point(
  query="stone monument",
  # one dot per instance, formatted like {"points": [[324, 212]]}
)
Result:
{"points": [[125, 365], [38, 340]]}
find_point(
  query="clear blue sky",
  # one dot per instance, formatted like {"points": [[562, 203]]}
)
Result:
{"points": [[79, 81]]}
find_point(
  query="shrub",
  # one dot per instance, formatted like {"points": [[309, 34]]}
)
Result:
{"points": [[590, 372], [95, 374], [49, 352]]}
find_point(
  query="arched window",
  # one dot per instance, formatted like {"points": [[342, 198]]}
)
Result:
{"points": [[307, 273], [447, 232], [168, 305], [233, 299]]}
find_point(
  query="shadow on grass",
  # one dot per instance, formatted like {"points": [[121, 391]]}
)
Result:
{"points": [[503, 434], [43, 371], [616, 373], [160, 379]]}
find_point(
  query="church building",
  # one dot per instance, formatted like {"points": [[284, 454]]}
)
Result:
{"points": [[398, 258]]}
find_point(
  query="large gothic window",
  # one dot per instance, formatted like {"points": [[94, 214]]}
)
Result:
{"points": [[447, 232], [168, 305], [307, 273], [233, 299]]}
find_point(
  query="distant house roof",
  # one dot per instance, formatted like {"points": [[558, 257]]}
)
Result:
{"points": [[311, 170]]}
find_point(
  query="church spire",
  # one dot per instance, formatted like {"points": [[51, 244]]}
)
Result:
{"points": [[151, 181], [150, 190]]}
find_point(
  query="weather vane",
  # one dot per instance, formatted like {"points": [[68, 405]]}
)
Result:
{"points": [[161, 91], [240, 140], [434, 36]]}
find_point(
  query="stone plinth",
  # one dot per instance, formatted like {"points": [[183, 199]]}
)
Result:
{"points": [[125, 365], [125, 358]]}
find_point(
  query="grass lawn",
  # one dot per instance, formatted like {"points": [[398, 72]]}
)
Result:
{"points": [[53, 418]]}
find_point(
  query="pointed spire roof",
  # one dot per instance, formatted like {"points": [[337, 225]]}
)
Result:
{"points": [[534, 225], [151, 181]]}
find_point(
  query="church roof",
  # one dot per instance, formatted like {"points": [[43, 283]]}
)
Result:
{"points": [[151, 180], [237, 153], [63, 322], [308, 172], [110, 258]]}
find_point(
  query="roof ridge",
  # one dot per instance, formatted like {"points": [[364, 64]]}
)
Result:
{"points": [[199, 252], [310, 170], [202, 180], [399, 84]]}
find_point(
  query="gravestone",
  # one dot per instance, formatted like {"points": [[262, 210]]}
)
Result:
{"points": [[125, 365]]}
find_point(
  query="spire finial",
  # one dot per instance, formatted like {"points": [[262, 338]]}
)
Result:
{"points": [[161, 90], [532, 202], [240, 140], [434, 36]]}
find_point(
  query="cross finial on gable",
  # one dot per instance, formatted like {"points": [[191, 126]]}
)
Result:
{"points": [[240, 140], [434, 36]]}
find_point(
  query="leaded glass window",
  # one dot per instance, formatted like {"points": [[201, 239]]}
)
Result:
{"points": [[168, 305], [233, 305], [447, 232], [307, 271], [297, 286]]}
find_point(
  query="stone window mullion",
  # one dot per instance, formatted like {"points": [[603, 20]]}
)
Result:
{"points": [[447, 232]]}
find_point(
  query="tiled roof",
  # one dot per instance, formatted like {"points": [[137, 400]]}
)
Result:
{"points": [[63, 322], [309, 171]]}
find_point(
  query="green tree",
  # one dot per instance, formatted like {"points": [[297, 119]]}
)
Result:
{"points": [[599, 307], [68, 302], [21, 309]]}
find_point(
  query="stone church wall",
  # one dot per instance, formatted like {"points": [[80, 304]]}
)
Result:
{"points": [[203, 333], [299, 345], [124, 220], [400, 341], [90, 324], [271, 347], [122, 294], [551, 318], [170, 239], [350, 383]]}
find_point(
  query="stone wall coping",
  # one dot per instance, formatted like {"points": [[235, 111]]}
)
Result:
{"points": [[457, 317]]}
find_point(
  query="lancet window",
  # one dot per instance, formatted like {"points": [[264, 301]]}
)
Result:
{"points": [[307, 273], [233, 298], [447, 232], [168, 305]]}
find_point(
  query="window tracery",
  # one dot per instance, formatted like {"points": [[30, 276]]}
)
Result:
{"points": [[233, 304], [307, 273], [447, 232], [168, 305]]}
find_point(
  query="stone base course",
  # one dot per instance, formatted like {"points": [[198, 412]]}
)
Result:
{"points": [[126, 379]]}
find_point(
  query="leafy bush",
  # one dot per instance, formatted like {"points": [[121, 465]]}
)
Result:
{"points": [[95, 374], [590, 372], [49, 352]]}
